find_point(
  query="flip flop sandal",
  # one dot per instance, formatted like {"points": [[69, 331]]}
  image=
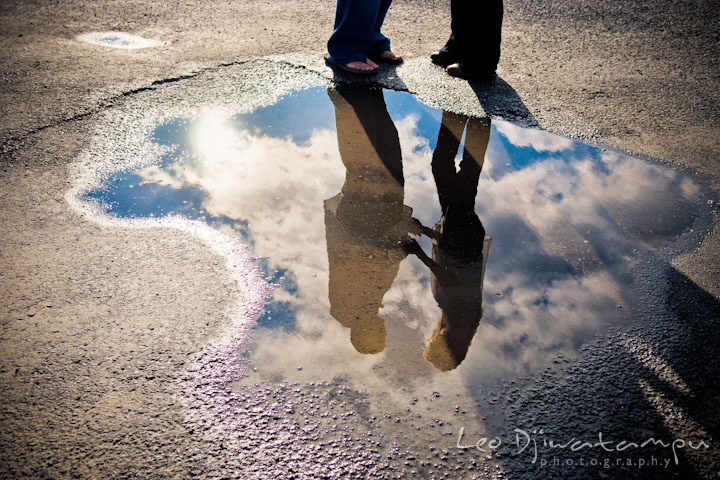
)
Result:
{"points": [[341, 66]]}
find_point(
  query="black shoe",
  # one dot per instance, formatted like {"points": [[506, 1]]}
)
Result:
{"points": [[455, 70], [442, 58]]}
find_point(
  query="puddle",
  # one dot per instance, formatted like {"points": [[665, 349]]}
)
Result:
{"points": [[414, 254], [119, 40]]}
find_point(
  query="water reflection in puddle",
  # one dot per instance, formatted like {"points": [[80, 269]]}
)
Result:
{"points": [[118, 40], [415, 253]]}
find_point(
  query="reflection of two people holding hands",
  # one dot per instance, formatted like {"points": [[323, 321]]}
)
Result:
{"points": [[368, 228]]}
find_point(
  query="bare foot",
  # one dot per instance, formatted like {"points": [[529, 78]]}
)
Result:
{"points": [[372, 64], [360, 65], [390, 56]]}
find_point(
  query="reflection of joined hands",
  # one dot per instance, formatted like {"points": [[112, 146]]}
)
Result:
{"points": [[411, 247], [409, 244], [417, 228], [412, 226]]}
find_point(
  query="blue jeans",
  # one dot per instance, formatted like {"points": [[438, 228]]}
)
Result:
{"points": [[356, 33]]}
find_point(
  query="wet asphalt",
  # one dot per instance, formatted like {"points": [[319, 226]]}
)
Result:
{"points": [[101, 322]]}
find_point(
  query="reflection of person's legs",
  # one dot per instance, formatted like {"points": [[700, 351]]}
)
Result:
{"points": [[443, 159], [476, 26], [355, 22], [477, 137], [367, 136], [458, 189]]}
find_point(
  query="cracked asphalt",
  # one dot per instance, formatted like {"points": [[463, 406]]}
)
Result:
{"points": [[100, 323]]}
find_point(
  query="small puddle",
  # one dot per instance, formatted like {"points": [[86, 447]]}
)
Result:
{"points": [[413, 252], [119, 40]]}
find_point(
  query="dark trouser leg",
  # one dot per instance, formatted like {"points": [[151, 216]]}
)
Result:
{"points": [[449, 47], [380, 42], [476, 28], [446, 55]]}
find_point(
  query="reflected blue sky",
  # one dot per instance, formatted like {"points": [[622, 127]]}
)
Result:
{"points": [[567, 221]]}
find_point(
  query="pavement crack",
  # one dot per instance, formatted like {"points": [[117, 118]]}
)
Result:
{"points": [[14, 143]]}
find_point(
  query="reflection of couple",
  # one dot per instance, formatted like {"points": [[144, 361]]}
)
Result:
{"points": [[368, 227]]}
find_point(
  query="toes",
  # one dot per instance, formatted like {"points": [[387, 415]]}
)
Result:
{"points": [[360, 65], [390, 55]]}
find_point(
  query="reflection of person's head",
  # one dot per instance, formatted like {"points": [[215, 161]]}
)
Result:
{"points": [[369, 337], [355, 306], [452, 337]]}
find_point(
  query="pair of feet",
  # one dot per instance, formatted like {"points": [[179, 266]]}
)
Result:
{"points": [[369, 66]]}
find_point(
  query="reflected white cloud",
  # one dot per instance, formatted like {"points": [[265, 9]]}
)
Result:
{"points": [[645, 199], [275, 185], [539, 140]]}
